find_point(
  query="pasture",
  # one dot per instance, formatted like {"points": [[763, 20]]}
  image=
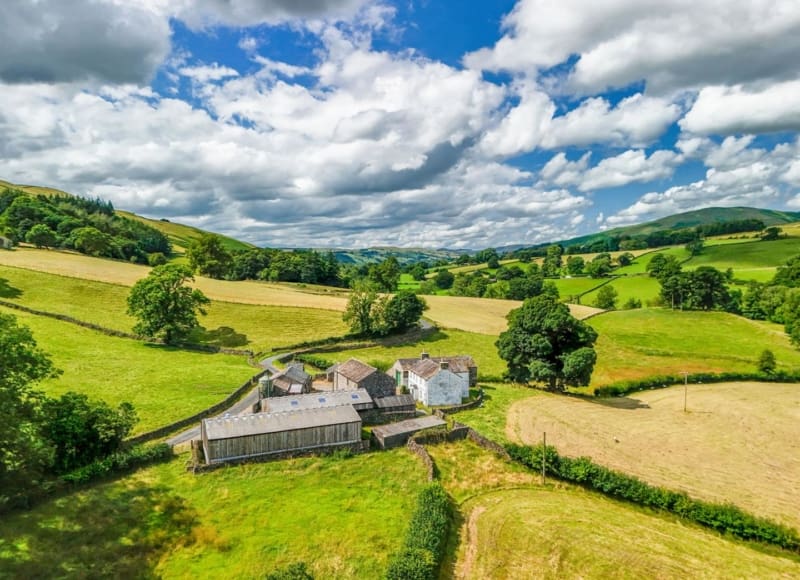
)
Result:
{"points": [[568, 287], [257, 328], [164, 384], [747, 255], [737, 443], [642, 287], [343, 517], [636, 344]]}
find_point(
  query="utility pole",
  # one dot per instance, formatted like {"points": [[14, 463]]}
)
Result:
{"points": [[544, 455], [685, 388]]}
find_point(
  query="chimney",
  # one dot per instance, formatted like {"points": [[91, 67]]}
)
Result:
{"points": [[444, 365], [424, 355]]}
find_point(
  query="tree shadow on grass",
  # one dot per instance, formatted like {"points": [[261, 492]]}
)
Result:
{"points": [[222, 336], [8, 291], [108, 531], [419, 338], [627, 403]]}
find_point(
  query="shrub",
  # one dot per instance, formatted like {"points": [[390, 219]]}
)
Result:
{"points": [[725, 518], [296, 571], [117, 462], [315, 361], [632, 304], [425, 539], [766, 362], [156, 259]]}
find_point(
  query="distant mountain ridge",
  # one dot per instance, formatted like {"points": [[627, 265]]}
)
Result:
{"points": [[689, 219]]}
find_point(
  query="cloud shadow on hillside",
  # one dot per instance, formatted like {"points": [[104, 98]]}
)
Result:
{"points": [[8, 291]]}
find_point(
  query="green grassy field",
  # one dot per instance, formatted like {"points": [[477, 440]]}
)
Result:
{"points": [[642, 287], [164, 384], [441, 343], [573, 286], [343, 517], [510, 526], [639, 265], [747, 255], [640, 343], [227, 324], [407, 282]]}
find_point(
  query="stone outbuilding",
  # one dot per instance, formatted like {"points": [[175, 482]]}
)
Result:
{"points": [[354, 374], [397, 434], [293, 380]]}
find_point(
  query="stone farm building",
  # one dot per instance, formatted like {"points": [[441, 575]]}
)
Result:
{"points": [[6, 243], [397, 434], [259, 434], [354, 374], [436, 381], [293, 380]]}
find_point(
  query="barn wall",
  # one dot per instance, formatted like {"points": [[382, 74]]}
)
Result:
{"points": [[262, 444]]}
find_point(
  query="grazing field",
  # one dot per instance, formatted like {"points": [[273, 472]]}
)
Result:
{"points": [[509, 526], [471, 314], [441, 343], [639, 265], [738, 442], [636, 344], [343, 517], [747, 255], [227, 324], [575, 286], [164, 384], [642, 287]]}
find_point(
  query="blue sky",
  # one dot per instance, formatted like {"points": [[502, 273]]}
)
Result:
{"points": [[321, 123]]}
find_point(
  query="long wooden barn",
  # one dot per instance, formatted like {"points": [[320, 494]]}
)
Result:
{"points": [[240, 437]]}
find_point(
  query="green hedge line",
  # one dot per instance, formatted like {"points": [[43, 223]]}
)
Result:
{"points": [[422, 554], [661, 381], [725, 518], [118, 462], [315, 361]]}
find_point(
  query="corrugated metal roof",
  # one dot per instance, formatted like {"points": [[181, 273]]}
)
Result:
{"points": [[396, 401], [355, 370], [260, 423], [316, 401], [408, 426]]}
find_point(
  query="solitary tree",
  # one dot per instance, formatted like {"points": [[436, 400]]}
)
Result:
{"points": [[164, 305], [766, 362], [41, 236], [545, 343], [403, 311], [209, 257], [606, 298], [358, 313]]}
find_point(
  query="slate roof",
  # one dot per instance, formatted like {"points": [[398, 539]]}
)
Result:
{"points": [[457, 364], [409, 426], [262, 423], [316, 401], [293, 373], [395, 401], [426, 368], [355, 370]]}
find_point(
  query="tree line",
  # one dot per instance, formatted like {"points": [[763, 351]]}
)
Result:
{"points": [[89, 226]]}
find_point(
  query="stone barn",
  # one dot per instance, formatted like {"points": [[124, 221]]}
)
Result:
{"points": [[293, 380], [354, 374], [397, 434], [261, 434]]}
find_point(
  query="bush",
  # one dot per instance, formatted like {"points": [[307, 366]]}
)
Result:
{"points": [[725, 518], [156, 259], [296, 571], [425, 539], [662, 381], [117, 462], [632, 304], [315, 361]]}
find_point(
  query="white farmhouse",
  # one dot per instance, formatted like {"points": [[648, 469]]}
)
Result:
{"points": [[433, 383]]}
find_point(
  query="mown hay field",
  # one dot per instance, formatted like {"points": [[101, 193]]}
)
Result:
{"points": [[229, 324], [343, 517], [737, 443], [164, 384], [635, 344], [510, 526], [756, 254]]}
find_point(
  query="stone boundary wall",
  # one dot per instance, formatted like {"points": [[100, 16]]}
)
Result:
{"points": [[213, 410], [359, 447], [487, 443], [122, 334], [427, 460]]}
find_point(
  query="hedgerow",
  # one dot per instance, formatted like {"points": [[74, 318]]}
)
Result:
{"points": [[725, 518], [661, 381], [120, 461], [422, 553]]}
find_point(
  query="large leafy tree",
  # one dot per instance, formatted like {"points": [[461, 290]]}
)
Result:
{"points": [[545, 343], [385, 275], [209, 257], [358, 313], [403, 311], [23, 453], [164, 305]]}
